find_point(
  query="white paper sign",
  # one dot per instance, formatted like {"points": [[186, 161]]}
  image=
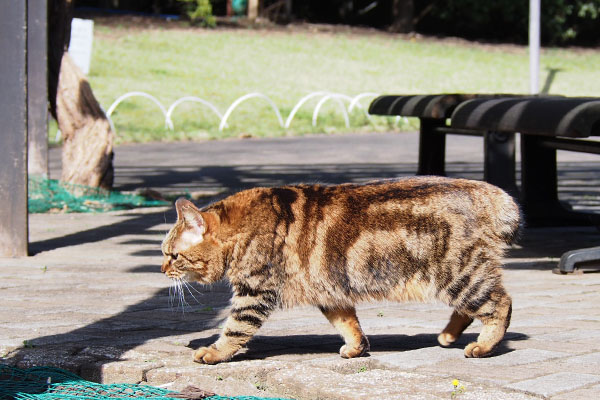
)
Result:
{"points": [[80, 46]]}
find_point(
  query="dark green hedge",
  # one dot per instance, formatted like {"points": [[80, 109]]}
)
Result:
{"points": [[562, 21]]}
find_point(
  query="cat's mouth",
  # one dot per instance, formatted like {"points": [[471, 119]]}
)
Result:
{"points": [[173, 274], [188, 276]]}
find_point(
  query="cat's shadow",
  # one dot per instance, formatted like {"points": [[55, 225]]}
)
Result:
{"points": [[265, 346]]}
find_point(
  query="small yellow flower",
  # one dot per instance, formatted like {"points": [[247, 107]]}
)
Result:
{"points": [[455, 383]]}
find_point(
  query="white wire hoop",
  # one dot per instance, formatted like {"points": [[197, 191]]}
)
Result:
{"points": [[338, 98], [118, 101], [244, 98], [299, 104], [181, 100]]}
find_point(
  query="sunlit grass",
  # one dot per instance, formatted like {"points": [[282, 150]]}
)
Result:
{"points": [[221, 65]]}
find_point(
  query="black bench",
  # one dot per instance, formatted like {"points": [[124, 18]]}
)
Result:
{"points": [[434, 111], [545, 124]]}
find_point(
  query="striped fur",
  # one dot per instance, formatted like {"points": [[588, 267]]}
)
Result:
{"points": [[414, 239]]}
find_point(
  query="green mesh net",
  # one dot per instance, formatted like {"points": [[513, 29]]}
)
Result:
{"points": [[50, 195], [48, 383]]}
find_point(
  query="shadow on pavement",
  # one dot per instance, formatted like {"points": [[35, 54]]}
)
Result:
{"points": [[264, 346], [137, 224], [232, 178]]}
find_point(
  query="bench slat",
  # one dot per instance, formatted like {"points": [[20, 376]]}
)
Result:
{"points": [[548, 116], [438, 106]]}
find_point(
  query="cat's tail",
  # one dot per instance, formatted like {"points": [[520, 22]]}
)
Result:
{"points": [[508, 222]]}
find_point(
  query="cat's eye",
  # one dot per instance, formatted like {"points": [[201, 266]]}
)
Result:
{"points": [[175, 255]]}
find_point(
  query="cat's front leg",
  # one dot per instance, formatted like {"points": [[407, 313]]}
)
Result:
{"points": [[249, 310]]}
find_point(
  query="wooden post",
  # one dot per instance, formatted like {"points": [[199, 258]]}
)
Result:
{"points": [[252, 9], [13, 130], [37, 87]]}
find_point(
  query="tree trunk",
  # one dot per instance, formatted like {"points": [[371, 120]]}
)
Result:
{"points": [[87, 136], [402, 14]]}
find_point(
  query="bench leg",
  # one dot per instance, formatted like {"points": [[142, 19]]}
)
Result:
{"points": [[570, 258], [539, 191], [499, 161], [432, 148]]}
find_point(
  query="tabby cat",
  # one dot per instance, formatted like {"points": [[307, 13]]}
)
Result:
{"points": [[412, 239]]}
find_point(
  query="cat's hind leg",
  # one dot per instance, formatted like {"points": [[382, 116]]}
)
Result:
{"points": [[346, 322], [495, 315], [457, 324]]}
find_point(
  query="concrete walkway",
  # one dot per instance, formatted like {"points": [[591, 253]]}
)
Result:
{"points": [[92, 299]]}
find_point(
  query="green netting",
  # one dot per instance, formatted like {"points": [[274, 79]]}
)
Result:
{"points": [[47, 195], [48, 383]]}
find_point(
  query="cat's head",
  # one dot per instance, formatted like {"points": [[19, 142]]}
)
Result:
{"points": [[191, 249]]}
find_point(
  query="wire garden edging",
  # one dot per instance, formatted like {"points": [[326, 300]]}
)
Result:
{"points": [[340, 99]]}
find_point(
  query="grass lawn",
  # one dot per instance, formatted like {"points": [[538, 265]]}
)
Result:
{"points": [[286, 64]]}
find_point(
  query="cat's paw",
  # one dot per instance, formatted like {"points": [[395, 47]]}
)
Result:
{"points": [[347, 351], [446, 339], [209, 355], [477, 350]]}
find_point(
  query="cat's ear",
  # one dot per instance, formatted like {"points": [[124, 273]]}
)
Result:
{"points": [[191, 216]]}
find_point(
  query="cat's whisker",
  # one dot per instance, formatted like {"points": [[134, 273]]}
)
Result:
{"points": [[189, 288], [171, 294], [176, 295], [186, 286], [178, 292], [181, 295], [175, 302]]}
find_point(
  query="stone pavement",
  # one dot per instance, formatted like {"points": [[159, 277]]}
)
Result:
{"points": [[92, 299]]}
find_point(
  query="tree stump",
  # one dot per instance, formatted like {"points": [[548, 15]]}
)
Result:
{"points": [[87, 137]]}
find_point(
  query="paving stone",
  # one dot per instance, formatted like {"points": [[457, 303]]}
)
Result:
{"points": [[391, 322], [224, 387], [539, 320], [528, 342], [580, 394], [416, 358], [575, 335], [519, 357], [123, 371], [490, 375], [549, 385], [66, 357], [323, 383], [591, 360]]}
